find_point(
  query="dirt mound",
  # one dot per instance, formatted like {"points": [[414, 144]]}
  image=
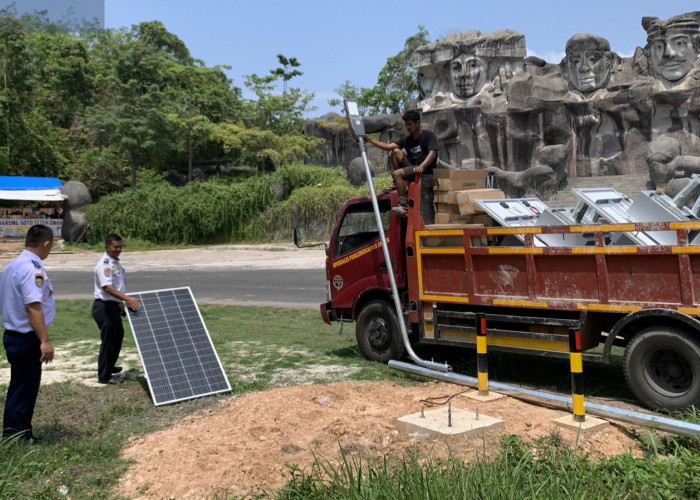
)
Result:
{"points": [[242, 448]]}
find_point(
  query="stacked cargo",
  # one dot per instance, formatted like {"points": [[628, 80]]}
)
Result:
{"points": [[454, 196]]}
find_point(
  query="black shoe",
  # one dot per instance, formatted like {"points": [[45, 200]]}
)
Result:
{"points": [[117, 369], [111, 380]]}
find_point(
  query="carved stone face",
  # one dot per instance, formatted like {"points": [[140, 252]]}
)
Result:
{"points": [[425, 84], [467, 75], [587, 70], [672, 56]]}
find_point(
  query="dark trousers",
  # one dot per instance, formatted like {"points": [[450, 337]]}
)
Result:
{"points": [[23, 354], [108, 317]]}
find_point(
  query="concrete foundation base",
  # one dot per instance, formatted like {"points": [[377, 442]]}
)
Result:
{"points": [[435, 423], [589, 426], [491, 396]]}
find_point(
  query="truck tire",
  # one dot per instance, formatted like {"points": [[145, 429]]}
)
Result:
{"points": [[378, 332], [662, 367]]}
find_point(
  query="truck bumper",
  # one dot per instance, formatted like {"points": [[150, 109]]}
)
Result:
{"points": [[327, 313]]}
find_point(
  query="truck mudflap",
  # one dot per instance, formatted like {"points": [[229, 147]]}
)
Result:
{"points": [[327, 312]]}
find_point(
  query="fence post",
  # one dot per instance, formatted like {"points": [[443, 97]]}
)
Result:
{"points": [[576, 362], [482, 367]]}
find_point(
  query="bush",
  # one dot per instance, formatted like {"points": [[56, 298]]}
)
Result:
{"points": [[224, 211], [195, 213], [275, 223], [297, 176]]}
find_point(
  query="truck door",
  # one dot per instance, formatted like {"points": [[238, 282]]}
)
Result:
{"points": [[357, 260]]}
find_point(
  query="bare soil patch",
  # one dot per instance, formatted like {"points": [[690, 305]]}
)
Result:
{"points": [[242, 448]]}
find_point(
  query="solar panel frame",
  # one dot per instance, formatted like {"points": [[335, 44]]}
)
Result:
{"points": [[157, 328]]}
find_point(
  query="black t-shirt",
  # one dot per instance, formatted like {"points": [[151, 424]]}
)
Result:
{"points": [[417, 149]]}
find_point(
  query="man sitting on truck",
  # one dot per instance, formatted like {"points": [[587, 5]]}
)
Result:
{"points": [[414, 154]]}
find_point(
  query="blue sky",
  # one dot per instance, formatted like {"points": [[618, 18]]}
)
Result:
{"points": [[351, 40]]}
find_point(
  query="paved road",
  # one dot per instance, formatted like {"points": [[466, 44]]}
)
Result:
{"points": [[269, 287], [278, 275]]}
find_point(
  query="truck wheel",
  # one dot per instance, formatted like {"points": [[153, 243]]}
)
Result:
{"points": [[378, 332], [662, 367]]}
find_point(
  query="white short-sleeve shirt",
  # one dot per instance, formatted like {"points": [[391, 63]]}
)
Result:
{"points": [[109, 271], [24, 281]]}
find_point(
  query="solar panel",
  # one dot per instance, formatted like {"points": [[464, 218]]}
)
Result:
{"points": [[176, 351]]}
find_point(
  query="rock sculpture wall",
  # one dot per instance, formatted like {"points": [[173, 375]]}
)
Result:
{"points": [[535, 124], [593, 114]]}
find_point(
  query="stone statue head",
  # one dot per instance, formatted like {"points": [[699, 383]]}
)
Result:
{"points": [[426, 83], [588, 62], [672, 45], [468, 73]]}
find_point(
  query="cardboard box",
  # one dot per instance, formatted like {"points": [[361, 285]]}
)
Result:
{"points": [[445, 218], [469, 179], [440, 196], [459, 180], [485, 220], [465, 199], [447, 208], [443, 184], [448, 241], [453, 241], [479, 241]]}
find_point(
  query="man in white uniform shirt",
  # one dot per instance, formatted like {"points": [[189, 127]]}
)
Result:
{"points": [[108, 308], [28, 307]]}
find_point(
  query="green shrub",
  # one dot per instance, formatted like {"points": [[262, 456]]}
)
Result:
{"points": [[275, 223], [223, 211], [296, 176], [200, 212], [318, 205]]}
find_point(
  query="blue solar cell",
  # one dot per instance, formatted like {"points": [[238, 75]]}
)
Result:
{"points": [[176, 350]]}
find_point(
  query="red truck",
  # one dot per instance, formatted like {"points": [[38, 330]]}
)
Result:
{"points": [[645, 299]]}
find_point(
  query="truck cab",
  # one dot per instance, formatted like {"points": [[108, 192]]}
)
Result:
{"points": [[355, 265]]}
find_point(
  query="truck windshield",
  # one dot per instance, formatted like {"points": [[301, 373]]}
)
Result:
{"points": [[359, 226]]}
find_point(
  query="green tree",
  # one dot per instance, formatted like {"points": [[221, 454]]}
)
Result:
{"points": [[134, 70], [30, 142], [285, 72], [62, 85], [285, 113]]}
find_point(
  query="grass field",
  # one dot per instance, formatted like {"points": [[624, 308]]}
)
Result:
{"points": [[85, 427]]}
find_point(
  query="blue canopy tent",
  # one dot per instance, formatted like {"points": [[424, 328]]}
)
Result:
{"points": [[14, 187]]}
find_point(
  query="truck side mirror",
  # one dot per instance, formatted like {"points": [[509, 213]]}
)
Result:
{"points": [[297, 241]]}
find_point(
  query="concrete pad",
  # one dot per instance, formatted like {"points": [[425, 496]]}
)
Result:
{"points": [[589, 426], [434, 424], [491, 396]]}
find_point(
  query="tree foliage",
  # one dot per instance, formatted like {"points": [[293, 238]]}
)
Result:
{"points": [[102, 105], [280, 113], [120, 108]]}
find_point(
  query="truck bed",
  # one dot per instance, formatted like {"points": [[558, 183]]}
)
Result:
{"points": [[471, 265]]}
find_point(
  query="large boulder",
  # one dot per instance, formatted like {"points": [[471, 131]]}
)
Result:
{"points": [[77, 195], [77, 198], [74, 225]]}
